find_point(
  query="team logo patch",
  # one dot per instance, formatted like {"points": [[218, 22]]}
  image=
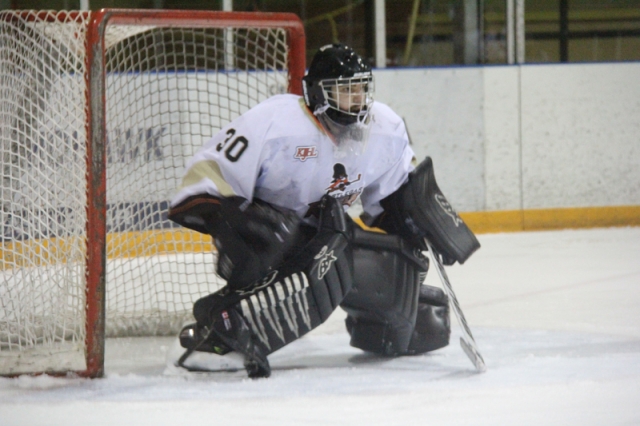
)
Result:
{"points": [[341, 188], [340, 180], [444, 204], [326, 259], [304, 152]]}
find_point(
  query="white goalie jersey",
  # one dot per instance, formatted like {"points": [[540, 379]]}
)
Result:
{"points": [[279, 153]]}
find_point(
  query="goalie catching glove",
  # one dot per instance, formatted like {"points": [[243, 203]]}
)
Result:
{"points": [[251, 238]]}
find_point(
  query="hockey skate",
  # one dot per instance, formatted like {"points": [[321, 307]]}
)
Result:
{"points": [[231, 340], [202, 339]]}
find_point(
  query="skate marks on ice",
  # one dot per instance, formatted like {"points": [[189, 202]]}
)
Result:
{"points": [[325, 365], [519, 356], [516, 327], [316, 355]]}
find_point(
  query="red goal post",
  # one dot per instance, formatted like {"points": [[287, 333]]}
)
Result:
{"points": [[99, 113]]}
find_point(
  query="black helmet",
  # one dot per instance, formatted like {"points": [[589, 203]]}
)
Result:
{"points": [[335, 71]]}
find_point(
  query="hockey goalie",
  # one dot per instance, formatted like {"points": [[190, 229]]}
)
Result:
{"points": [[272, 189]]}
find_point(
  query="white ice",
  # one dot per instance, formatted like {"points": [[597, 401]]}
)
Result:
{"points": [[556, 316]]}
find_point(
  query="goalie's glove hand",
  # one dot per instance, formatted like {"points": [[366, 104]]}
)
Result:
{"points": [[251, 239]]}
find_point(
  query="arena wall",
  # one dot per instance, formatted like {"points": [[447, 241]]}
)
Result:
{"points": [[527, 147], [514, 147]]}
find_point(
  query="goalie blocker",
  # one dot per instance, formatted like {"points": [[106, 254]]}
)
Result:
{"points": [[419, 210]]}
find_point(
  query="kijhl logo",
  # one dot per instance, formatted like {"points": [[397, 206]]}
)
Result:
{"points": [[304, 152]]}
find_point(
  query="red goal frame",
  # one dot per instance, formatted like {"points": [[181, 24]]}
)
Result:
{"points": [[96, 131]]}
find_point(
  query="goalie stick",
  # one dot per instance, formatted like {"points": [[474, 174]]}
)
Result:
{"points": [[467, 341]]}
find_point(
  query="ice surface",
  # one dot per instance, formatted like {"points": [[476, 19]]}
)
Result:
{"points": [[555, 315]]}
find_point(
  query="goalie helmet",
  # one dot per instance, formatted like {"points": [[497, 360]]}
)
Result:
{"points": [[338, 89]]}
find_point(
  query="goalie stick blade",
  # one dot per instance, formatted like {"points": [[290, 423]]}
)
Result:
{"points": [[467, 342], [473, 355]]}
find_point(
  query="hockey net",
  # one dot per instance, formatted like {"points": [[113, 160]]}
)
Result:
{"points": [[99, 113]]}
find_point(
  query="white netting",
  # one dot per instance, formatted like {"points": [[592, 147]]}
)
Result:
{"points": [[167, 91], [43, 189]]}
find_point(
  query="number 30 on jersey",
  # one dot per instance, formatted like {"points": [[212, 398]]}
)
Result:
{"points": [[233, 147]]}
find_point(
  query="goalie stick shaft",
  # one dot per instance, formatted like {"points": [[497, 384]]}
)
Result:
{"points": [[467, 341]]}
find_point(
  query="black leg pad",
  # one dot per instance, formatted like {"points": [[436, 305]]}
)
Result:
{"points": [[383, 302], [432, 329]]}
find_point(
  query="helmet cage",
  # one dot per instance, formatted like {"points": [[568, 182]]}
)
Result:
{"points": [[351, 96]]}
